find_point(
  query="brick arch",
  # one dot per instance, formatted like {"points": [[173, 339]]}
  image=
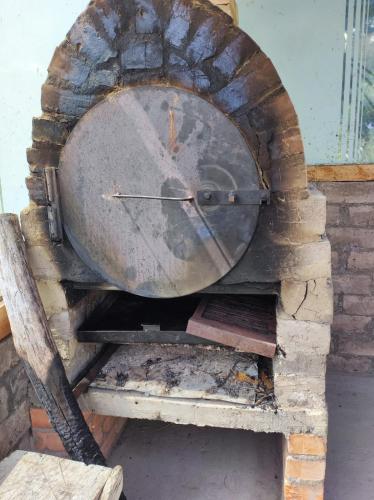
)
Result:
{"points": [[191, 44]]}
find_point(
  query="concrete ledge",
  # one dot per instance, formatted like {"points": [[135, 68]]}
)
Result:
{"points": [[203, 413]]}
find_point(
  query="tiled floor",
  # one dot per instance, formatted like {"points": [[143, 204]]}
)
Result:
{"points": [[169, 462]]}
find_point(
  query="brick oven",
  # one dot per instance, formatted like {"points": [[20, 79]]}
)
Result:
{"points": [[167, 169]]}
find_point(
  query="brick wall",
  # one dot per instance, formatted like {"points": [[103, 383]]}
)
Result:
{"points": [[14, 400], [350, 227]]}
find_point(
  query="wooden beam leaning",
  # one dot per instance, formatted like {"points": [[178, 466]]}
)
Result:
{"points": [[35, 345]]}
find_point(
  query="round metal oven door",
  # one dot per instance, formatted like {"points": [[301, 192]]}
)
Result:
{"points": [[152, 183]]}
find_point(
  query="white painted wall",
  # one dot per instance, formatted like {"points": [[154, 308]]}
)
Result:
{"points": [[304, 38]]}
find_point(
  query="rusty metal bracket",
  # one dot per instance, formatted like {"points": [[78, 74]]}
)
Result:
{"points": [[211, 198], [54, 207]]}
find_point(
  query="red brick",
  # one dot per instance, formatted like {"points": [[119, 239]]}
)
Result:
{"points": [[108, 423], [335, 260], [358, 284], [303, 491], [306, 444], [362, 215], [360, 261], [39, 418], [305, 470], [47, 441], [359, 305], [111, 438]]}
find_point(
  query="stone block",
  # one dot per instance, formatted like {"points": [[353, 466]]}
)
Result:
{"points": [[358, 305], [48, 129], [295, 336], [147, 20], [205, 41], [35, 226], [8, 356], [304, 365], [234, 54], [361, 215], [352, 236], [66, 67], [350, 323], [285, 143], [299, 390], [292, 295], [4, 408], [348, 192], [361, 261], [13, 428], [67, 102], [142, 53], [288, 173], [334, 215], [306, 444], [276, 112], [310, 301], [39, 158], [348, 363], [245, 90], [357, 284], [19, 385], [37, 189], [177, 31], [91, 43]]}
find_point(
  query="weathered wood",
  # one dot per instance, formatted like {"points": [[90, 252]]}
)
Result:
{"points": [[341, 173], [140, 337], [35, 345], [29, 475], [4, 322]]}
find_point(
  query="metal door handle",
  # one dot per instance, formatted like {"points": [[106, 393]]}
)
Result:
{"points": [[145, 197]]}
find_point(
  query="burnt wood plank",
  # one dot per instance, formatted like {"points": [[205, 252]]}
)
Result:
{"points": [[36, 347]]}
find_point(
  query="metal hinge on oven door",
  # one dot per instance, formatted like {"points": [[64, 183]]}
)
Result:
{"points": [[54, 207]]}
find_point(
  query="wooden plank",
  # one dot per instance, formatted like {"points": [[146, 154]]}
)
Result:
{"points": [[29, 475], [341, 173], [140, 337], [4, 322], [35, 345]]}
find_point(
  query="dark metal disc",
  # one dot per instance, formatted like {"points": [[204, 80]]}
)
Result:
{"points": [[165, 142]]}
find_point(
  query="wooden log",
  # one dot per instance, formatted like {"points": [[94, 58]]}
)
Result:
{"points": [[35, 345]]}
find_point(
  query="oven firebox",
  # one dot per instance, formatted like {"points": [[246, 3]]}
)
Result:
{"points": [[168, 162]]}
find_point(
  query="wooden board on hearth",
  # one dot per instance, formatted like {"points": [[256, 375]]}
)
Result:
{"points": [[244, 322]]}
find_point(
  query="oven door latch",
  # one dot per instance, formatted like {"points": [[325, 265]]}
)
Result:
{"points": [[54, 207], [255, 197]]}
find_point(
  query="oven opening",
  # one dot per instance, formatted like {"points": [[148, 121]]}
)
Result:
{"points": [[203, 346]]}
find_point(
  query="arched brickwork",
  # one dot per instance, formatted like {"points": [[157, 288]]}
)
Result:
{"points": [[191, 44]]}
